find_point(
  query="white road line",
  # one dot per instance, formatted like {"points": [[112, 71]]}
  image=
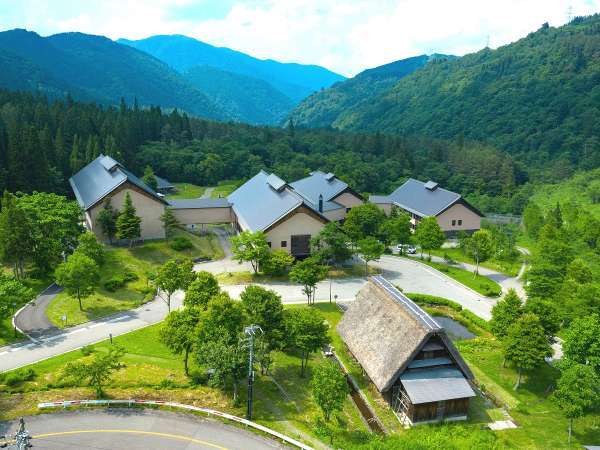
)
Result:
{"points": [[12, 350], [95, 325], [79, 330], [3, 353], [53, 338]]}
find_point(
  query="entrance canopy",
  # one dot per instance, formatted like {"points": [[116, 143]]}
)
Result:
{"points": [[434, 385]]}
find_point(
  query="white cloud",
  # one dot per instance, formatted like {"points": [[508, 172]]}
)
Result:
{"points": [[345, 36]]}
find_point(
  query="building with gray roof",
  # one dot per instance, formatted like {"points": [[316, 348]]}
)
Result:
{"points": [[406, 354], [290, 214], [420, 199]]}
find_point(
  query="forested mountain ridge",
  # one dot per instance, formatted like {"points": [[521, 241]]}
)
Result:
{"points": [[296, 81], [244, 99], [538, 98], [326, 107], [96, 68]]}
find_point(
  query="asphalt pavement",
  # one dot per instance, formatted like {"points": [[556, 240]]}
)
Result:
{"points": [[32, 319], [135, 429]]}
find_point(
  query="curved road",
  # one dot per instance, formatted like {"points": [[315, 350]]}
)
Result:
{"points": [[135, 429], [32, 319]]}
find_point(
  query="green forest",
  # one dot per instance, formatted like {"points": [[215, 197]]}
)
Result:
{"points": [[537, 98], [42, 143]]}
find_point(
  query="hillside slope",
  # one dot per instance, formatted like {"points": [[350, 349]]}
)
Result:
{"points": [[327, 107], [538, 98], [243, 98], [182, 53], [96, 68]]}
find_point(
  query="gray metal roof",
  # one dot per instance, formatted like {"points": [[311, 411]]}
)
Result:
{"points": [[101, 177], [416, 197], [163, 183], [319, 183], [199, 203], [257, 205], [434, 385], [430, 362]]}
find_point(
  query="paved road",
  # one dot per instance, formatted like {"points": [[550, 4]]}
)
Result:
{"points": [[32, 319], [113, 429]]}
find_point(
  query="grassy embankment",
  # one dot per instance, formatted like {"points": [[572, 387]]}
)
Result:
{"points": [[151, 371], [510, 268], [186, 190], [141, 261]]}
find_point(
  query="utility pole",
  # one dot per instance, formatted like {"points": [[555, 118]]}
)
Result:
{"points": [[251, 333]]}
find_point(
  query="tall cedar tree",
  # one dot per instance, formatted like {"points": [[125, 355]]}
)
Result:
{"points": [[107, 220], [170, 222], [128, 224], [149, 178]]}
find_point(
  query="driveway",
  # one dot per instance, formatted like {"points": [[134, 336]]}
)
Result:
{"points": [[130, 429], [32, 319]]}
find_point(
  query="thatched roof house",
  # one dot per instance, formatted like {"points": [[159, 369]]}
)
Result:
{"points": [[406, 354]]}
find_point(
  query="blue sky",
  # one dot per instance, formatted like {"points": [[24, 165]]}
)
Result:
{"points": [[346, 36]]}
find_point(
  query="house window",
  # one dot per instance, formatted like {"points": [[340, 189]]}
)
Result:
{"points": [[453, 222], [269, 244], [459, 222], [283, 244], [348, 210]]}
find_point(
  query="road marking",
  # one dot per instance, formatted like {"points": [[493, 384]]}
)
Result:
{"points": [[53, 338], [3, 353], [79, 330], [149, 433], [95, 325]]}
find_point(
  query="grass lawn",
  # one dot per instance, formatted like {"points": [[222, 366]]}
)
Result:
{"points": [[140, 260], [224, 188], [186, 190], [478, 283], [510, 268], [247, 277]]}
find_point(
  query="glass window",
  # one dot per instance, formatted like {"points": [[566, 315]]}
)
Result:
{"points": [[453, 222], [459, 222], [283, 243]]}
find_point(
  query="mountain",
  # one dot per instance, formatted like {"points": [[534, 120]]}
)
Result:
{"points": [[296, 81], [243, 98], [327, 107], [538, 98], [96, 68]]}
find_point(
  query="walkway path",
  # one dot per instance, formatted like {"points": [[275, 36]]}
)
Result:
{"points": [[410, 275], [207, 192]]}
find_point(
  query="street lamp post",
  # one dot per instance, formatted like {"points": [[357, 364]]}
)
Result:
{"points": [[250, 331]]}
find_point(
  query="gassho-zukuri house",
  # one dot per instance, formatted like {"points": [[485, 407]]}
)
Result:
{"points": [[407, 355], [419, 199], [288, 214]]}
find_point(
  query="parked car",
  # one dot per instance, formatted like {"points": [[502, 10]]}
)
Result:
{"points": [[405, 248]]}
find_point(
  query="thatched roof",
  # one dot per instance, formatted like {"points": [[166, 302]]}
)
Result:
{"points": [[385, 330]]}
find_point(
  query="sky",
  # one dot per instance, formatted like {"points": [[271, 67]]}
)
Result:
{"points": [[346, 36]]}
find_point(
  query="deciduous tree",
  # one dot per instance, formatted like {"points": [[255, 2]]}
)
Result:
{"points": [[306, 330], [526, 345], [149, 178], [250, 247], [89, 246], [505, 313], [481, 247], [204, 287], [331, 244], [582, 342], [178, 332], [308, 273], [429, 235], [107, 220], [172, 276], [78, 275], [363, 221], [277, 262], [329, 388], [370, 249], [98, 371]]}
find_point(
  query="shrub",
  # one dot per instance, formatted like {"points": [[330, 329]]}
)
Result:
{"points": [[198, 377], [114, 283], [424, 299], [181, 243], [87, 350], [167, 384], [19, 376], [129, 275]]}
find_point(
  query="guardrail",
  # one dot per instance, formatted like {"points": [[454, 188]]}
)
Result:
{"points": [[210, 412]]}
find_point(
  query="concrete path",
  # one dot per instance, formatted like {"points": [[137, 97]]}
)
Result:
{"points": [[132, 429], [32, 319], [207, 192]]}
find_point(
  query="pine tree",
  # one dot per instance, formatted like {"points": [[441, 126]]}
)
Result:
{"points": [[169, 221], [75, 162], [128, 224]]}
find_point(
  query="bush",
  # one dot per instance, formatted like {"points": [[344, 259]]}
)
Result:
{"points": [[198, 377], [87, 350], [181, 243], [114, 283], [166, 384], [130, 276], [19, 376]]}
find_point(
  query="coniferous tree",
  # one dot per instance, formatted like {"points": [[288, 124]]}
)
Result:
{"points": [[128, 223]]}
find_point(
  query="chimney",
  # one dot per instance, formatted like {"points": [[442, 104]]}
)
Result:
{"points": [[320, 203]]}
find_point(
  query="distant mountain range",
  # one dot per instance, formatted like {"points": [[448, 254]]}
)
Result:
{"points": [[215, 83], [182, 53], [330, 107], [538, 97]]}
